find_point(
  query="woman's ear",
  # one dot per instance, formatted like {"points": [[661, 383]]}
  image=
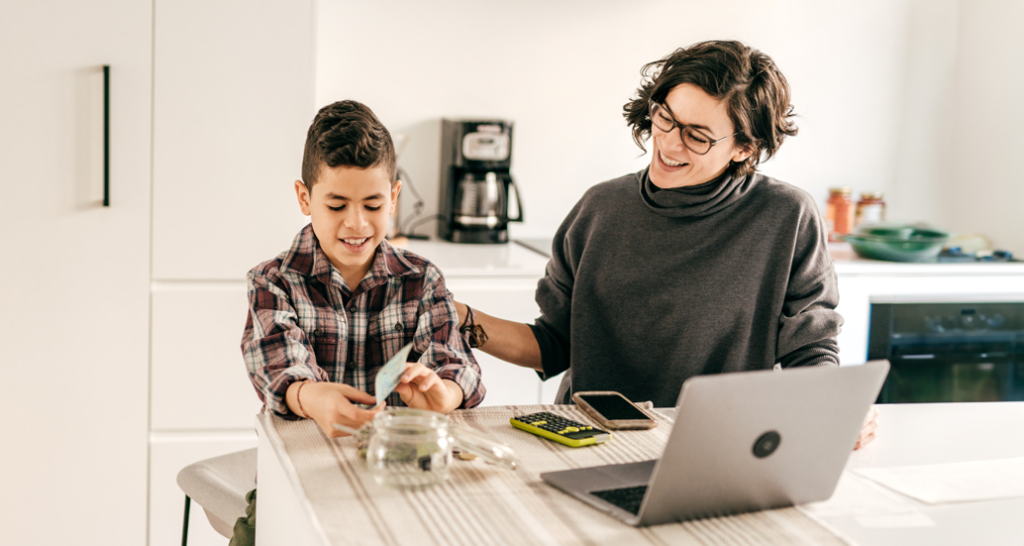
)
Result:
{"points": [[742, 153]]}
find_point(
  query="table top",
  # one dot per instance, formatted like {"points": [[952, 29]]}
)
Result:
{"points": [[922, 434], [481, 503], [486, 504]]}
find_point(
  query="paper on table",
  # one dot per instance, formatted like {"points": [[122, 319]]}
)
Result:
{"points": [[954, 482], [869, 504]]}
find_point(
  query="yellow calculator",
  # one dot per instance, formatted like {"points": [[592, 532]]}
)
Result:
{"points": [[562, 430]]}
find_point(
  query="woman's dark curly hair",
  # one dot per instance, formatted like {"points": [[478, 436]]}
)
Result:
{"points": [[347, 133], [754, 90]]}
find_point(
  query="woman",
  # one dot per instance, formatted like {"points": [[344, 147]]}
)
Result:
{"points": [[697, 264]]}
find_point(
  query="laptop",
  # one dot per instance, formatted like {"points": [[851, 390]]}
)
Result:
{"points": [[741, 442]]}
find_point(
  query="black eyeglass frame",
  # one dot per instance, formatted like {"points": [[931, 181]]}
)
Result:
{"points": [[676, 125]]}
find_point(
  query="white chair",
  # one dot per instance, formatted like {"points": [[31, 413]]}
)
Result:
{"points": [[219, 485]]}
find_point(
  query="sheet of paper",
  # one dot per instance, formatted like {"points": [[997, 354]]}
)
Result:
{"points": [[869, 504], [390, 375], [954, 482]]}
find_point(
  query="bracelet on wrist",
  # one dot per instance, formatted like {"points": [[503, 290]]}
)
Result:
{"points": [[298, 400], [474, 333]]}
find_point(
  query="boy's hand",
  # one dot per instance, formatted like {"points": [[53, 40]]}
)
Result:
{"points": [[328, 403], [421, 388]]}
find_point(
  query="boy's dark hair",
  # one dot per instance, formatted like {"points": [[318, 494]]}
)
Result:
{"points": [[347, 133], [746, 80]]}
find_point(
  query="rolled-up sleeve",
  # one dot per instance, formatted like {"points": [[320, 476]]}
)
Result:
{"points": [[441, 346], [274, 347]]}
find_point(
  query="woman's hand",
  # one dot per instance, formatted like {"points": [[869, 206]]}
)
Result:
{"points": [[421, 388], [867, 432], [328, 403]]}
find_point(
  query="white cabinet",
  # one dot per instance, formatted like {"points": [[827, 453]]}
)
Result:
{"points": [[233, 98], [74, 321], [199, 376]]}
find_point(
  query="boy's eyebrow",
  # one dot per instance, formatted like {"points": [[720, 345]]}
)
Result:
{"points": [[334, 196]]}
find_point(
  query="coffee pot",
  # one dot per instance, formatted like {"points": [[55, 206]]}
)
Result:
{"points": [[478, 195]]}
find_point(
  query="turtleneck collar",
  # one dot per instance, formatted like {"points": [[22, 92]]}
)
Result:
{"points": [[695, 201]]}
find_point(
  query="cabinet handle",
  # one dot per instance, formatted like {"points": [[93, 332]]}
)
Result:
{"points": [[106, 135]]}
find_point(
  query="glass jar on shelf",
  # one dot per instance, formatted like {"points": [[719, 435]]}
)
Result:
{"points": [[870, 209], [839, 213]]}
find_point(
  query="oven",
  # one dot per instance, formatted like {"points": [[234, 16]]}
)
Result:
{"points": [[949, 351]]}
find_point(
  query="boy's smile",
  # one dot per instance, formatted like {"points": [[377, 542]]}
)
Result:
{"points": [[349, 208]]}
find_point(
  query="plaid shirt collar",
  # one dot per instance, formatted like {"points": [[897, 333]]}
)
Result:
{"points": [[307, 258]]}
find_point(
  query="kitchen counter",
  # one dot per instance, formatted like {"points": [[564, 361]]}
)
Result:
{"points": [[464, 260], [848, 263]]}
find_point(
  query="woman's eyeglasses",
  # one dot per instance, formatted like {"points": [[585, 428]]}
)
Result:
{"points": [[696, 141]]}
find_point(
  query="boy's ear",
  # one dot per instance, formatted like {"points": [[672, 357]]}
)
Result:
{"points": [[395, 190], [303, 196]]}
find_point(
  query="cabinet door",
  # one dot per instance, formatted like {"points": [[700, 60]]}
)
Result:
{"points": [[510, 299], [233, 98], [74, 323], [199, 376]]}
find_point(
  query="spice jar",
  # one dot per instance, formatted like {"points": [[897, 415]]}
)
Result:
{"points": [[839, 213], [870, 209]]}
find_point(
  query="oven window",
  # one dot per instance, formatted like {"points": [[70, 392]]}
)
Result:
{"points": [[949, 352]]}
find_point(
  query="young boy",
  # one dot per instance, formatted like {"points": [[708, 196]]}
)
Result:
{"points": [[325, 315]]}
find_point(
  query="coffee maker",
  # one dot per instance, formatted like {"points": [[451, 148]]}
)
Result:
{"points": [[476, 185]]}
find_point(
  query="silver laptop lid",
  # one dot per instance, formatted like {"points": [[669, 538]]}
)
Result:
{"points": [[757, 440]]}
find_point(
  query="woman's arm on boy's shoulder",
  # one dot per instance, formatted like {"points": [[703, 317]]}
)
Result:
{"points": [[438, 339]]}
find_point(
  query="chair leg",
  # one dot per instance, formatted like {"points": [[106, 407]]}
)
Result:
{"points": [[184, 528]]}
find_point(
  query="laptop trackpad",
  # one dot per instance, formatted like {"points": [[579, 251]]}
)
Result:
{"points": [[598, 478]]}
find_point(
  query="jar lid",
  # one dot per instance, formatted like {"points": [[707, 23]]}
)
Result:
{"points": [[870, 195], [493, 452], [840, 189]]}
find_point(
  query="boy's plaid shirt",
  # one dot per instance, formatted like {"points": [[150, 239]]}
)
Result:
{"points": [[305, 323]]}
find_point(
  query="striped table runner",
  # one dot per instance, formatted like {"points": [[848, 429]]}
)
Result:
{"points": [[486, 504]]}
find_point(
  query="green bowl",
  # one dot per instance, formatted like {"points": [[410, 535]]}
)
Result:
{"points": [[897, 243]]}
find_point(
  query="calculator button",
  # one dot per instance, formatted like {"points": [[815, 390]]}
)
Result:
{"points": [[572, 429], [539, 423]]}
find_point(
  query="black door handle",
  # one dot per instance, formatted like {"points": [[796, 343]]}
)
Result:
{"points": [[106, 135]]}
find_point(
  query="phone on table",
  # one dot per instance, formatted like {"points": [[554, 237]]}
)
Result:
{"points": [[613, 410]]}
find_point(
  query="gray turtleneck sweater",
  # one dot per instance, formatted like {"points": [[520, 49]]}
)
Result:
{"points": [[647, 287]]}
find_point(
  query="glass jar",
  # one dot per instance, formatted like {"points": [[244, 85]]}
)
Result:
{"points": [[870, 209], [410, 448], [838, 213]]}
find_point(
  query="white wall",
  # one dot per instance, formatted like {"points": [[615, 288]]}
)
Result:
{"points": [[874, 84], [563, 70], [986, 191]]}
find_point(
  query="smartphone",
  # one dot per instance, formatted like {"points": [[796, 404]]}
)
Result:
{"points": [[613, 411]]}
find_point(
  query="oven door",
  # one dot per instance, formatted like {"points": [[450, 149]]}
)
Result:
{"points": [[949, 352]]}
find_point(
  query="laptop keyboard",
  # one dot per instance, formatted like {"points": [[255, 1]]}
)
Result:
{"points": [[627, 498]]}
